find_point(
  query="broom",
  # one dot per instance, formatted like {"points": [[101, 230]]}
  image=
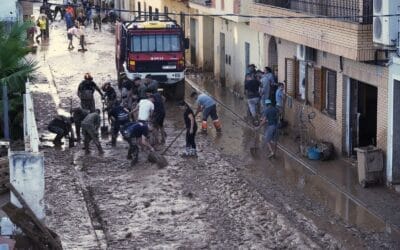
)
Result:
{"points": [[159, 159]]}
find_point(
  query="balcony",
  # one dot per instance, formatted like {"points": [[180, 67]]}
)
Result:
{"points": [[206, 3], [352, 10], [349, 36]]}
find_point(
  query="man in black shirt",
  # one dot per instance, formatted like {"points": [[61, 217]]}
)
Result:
{"points": [[109, 94], [252, 91], [78, 114], [270, 118], [191, 129], [62, 127], [85, 92], [158, 114], [119, 117]]}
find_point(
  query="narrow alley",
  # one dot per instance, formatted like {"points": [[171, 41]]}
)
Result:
{"points": [[100, 202], [225, 198]]}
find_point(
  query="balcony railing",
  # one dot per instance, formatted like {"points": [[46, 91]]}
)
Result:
{"points": [[207, 3], [351, 10]]}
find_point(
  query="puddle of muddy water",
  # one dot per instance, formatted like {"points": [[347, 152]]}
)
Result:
{"points": [[238, 137], [290, 173]]}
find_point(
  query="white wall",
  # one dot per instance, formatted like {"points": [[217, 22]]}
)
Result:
{"points": [[236, 34], [394, 74], [7, 6], [27, 176]]}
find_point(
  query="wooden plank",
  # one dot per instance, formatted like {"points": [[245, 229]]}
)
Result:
{"points": [[19, 218], [4, 181], [4, 170], [52, 241], [4, 162]]}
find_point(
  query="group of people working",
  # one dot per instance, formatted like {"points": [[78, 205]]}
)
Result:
{"points": [[266, 94], [134, 120]]}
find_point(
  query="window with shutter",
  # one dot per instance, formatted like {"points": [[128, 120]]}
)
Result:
{"points": [[318, 101], [330, 85], [302, 81], [310, 85], [290, 76]]}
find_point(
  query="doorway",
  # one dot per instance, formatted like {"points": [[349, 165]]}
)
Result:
{"points": [[246, 55], [208, 36], [363, 114], [193, 40], [396, 133], [222, 55], [273, 54]]}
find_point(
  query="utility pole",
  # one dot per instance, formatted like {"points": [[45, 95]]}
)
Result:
{"points": [[6, 128]]}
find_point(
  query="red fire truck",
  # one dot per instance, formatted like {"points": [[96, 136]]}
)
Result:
{"points": [[155, 47]]}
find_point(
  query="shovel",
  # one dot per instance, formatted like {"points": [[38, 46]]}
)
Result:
{"points": [[254, 149], [159, 159], [104, 127]]}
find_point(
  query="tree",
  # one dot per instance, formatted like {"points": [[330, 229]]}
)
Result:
{"points": [[15, 68]]}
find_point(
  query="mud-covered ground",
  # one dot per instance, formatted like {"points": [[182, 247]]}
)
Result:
{"points": [[100, 202]]}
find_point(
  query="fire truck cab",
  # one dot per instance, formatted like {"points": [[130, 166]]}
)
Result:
{"points": [[155, 47]]}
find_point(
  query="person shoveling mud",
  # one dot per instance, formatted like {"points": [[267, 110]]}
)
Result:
{"points": [[134, 133], [62, 127]]}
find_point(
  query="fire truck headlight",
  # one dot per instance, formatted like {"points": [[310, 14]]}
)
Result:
{"points": [[132, 63]]}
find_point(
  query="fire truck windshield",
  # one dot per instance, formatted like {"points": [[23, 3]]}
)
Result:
{"points": [[155, 43]]}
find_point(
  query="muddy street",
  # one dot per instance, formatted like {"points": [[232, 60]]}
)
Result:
{"points": [[224, 199]]}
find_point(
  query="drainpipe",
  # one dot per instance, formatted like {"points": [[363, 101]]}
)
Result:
{"points": [[6, 129]]}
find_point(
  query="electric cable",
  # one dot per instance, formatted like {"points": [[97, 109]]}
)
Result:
{"points": [[310, 16]]}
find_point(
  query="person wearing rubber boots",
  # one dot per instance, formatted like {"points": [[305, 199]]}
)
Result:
{"points": [[90, 129], [119, 117], [208, 106], [62, 127]]}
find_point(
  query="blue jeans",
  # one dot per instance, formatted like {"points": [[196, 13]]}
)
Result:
{"points": [[270, 134], [253, 103], [210, 111]]}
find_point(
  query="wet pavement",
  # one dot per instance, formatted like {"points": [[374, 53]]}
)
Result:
{"points": [[222, 200], [331, 187]]}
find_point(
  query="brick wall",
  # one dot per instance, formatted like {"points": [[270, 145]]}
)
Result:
{"points": [[350, 40], [326, 127]]}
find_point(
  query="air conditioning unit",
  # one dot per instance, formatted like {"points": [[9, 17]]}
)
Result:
{"points": [[385, 28], [305, 53]]}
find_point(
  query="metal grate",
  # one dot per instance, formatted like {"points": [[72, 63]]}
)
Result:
{"points": [[351, 10], [207, 3]]}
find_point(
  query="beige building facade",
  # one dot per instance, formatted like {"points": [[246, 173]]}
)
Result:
{"points": [[329, 64], [330, 72], [225, 44]]}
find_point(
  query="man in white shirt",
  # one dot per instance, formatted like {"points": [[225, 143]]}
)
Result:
{"points": [[78, 32], [146, 108]]}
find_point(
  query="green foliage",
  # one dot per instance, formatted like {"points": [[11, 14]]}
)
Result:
{"points": [[15, 68]]}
